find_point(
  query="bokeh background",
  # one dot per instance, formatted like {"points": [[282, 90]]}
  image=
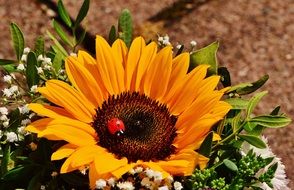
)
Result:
{"points": [[256, 38]]}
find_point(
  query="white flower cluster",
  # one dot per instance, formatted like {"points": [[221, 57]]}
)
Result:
{"points": [[163, 40], [3, 117], [23, 59], [46, 64], [11, 92]]}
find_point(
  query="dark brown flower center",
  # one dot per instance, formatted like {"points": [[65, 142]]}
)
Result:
{"points": [[149, 127]]}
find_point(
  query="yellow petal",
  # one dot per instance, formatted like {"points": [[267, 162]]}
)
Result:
{"points": [[122, 170], [158, 74], [110, 65], [179, 68], [79, 76], [66, 166], [39, 125], [85, 155], [49, 111], [120, 50], [68, 98], [102, 163], [94, 176], [63, 152]]}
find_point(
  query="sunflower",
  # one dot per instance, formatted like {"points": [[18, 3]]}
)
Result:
{"points": [[127, 108]]}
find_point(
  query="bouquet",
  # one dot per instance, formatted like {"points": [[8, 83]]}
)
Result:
{"points": [[135, 114]]}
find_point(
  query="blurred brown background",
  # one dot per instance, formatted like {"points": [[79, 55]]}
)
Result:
{"points": [[256, 37]]}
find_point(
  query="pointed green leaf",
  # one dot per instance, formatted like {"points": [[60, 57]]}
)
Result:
{"points": [[206, 145], [57, 61], [9, 68], [82, 13], [31, 71], [206, 55], [231, 165], [62, 34], [7, 62], [57, 46], [125, 27], [238, 86], [39, 46], [255, 86], [63, 14], [253, 102], [5, 159], [271, 121], [253, 140], [237, 103], [112, 35], [18, 40]]}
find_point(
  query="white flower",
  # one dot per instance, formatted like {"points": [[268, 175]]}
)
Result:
{"points": [[26, 50], [21, 67], [7, 78], [179, 46], [111, 181], [157, 176], [149, 172], [7, 93], [163, 40], [193, 43], [6, 123], [25, 122], [280, 181], [43, 187], [3, 110], [3, 118], [100, 184], [24, 58], [138, 169], [40, 58], [146, 182], [132, 171], [13, 89], [32, 115], [11, 137], [34, 88], [48, 67], [125, 185], [24, 109], [22, 130], [163, 188], [40, 70], [47, 61], [178, 185]]}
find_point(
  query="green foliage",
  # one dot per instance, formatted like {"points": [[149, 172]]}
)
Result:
{"points": [[112, 36], [31, 71], [205, 147], [39, 46], [125, 27], [17, 39], [63, 14], [82, 13], [206, 55], [62, 34]]}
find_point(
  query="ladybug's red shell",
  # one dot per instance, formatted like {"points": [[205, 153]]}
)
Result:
{"points": [[115, 126]]}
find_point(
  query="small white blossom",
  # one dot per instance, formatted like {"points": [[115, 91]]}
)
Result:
{"points": [[100, 184], [3, 118], [163, 188], [32, 115], [6, 123], [132, 171], [47, 67], [25, 122], [7, 78], [193, 43], [160, 38], [7, 93], [24, 58], [3, 110], [179, 46], [138, 169], [43, 187], [178, 185], [149, 172], [26, 50], [11, 137], [61, 71], [73, 54], [14, 89], [157, 176], [170, 178], [24, 109], [125, 185], [22, 130], [40, 58], [40, 70], [47, 61], [21, 67], [34, 88], [111, 181]]}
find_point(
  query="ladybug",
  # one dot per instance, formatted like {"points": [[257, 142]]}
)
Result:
{"points": [[116, 127]]}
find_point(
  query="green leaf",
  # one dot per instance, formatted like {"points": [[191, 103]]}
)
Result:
{"points": [[238, 86], [206, 145], [35, 182], [82, 37], [57, 61], [249, 126], [39, 46], [5, 159], [18, 40], [7, 62], [112, 35], [253, 102], [206, 55], [57, 46], [31, 71], [19, 172], [271, 121], [231, 165], [254, 86], [63, 14], [62, 34], [237, 103], [253, 140], [9, 68], [82, 13], [125, 27]]}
